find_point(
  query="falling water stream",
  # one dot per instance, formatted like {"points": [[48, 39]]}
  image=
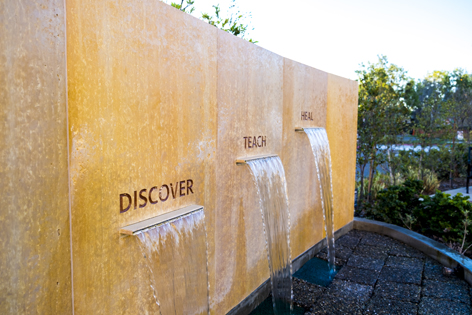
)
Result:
{"points": [[320, 147], [176, 255], [269, 177]]}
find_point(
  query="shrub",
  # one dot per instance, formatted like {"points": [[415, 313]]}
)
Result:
{"points": [[396, 202], [461, 158], [379, 182], [438, 161], [430, 180], [441, 215]]}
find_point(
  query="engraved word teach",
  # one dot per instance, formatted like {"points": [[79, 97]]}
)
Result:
{"points": [[255, 142], [307, 115], [180, 189]]}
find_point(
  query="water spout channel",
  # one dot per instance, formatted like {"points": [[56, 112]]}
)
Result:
{"points": [[320, 147], [176, 253], [269, 178]]}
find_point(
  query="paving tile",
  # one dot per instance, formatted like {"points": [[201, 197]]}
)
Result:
{"points": [[378, 240], [404, 250], [359, 233], [447, 291], [397, 291], [371, 251], [334, 305], [341, 253], [431, 262], [347, 241], [365, 262], [435, 272], [350, 290], [432, 306], [408, 282], [402, 275], [386, 306], [358, 275], [305, 293], [405, 262]]}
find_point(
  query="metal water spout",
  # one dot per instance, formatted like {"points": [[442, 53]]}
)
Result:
{"points": [[138, 227]]}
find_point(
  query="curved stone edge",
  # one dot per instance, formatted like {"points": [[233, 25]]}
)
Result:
{"points": [[440, 252]]}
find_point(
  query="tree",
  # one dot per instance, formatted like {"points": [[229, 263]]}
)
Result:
{"points": [[382, 114], [186, 6], [234, 22], [462, 100], [458, 113], [429, 115], [435, 109]]}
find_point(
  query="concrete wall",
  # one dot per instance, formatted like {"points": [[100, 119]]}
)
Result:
{"points": [[35, 267], [155, 97], [305, 92], [142, 112], [250, 104], [341, 126]]}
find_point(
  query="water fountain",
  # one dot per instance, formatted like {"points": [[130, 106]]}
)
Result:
{"points": [[143, 109], [269, 178], [320, 147], [175, 247]]}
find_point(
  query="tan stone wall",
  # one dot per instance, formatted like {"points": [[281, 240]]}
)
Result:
{"points": [[342, 135], [142, 112], [35, 269], [155, 97], [250, 103], [305, 90]]}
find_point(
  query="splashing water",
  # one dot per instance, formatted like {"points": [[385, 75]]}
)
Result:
{"points": [[269, 177], [176, 254], [320, 147]]}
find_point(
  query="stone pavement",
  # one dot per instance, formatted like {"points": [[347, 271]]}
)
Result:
{"points": [[380, 275]]}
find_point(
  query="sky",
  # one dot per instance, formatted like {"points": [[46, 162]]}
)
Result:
{"points": [[338, 35]]}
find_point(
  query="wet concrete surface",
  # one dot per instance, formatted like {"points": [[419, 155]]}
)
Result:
{"points": [[380, 275]]}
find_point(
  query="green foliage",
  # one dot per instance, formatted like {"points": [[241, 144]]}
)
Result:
{"points": [[407, 160], [440, 215], [430, 180], [433, 110], [185, 6], [444, 216], [460, 101], [443, 161], [437, 160], [382, 112], [379, 182], [396, 202], [460, 158], [235, 22]]}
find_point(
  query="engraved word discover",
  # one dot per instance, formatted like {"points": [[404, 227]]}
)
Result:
{"points": [[182, 187]]}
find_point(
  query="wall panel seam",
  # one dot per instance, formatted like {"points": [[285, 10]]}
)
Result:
{"points": [[68, 160]]}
